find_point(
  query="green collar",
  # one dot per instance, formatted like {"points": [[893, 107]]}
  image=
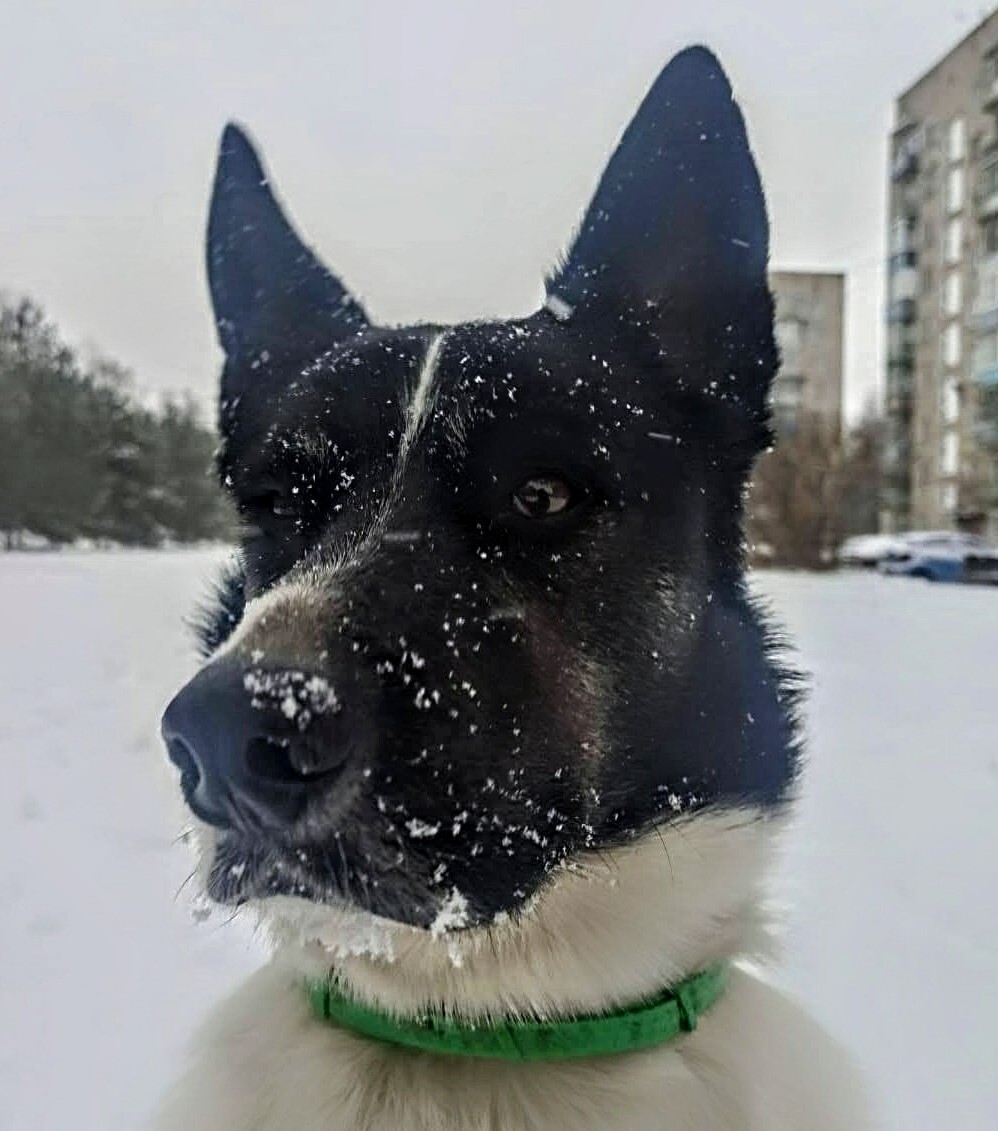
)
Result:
{"points": [[651, 1022]]}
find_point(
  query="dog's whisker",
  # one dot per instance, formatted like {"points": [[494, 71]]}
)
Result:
{"points": [[344, 865], [506, 613], [665, 849], [404, 537], [187, 880]]}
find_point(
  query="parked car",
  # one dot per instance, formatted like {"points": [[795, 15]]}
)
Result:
{"points": [[980, 567], [864, 551], [942, 556]]}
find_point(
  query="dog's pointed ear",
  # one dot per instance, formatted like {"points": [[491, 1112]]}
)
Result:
{"points": [[673, 250], [268, 290]]}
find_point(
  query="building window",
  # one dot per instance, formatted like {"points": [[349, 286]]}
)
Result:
{"points": [[954, 190], [952, 345], [789, 334], [952, 294], [951, 400], [987, 290], [954, 240], [987, 181], [956, 140], [788, 399], [950, 453], [788, 391], [948, 498], [986, 352], [989, 236]]}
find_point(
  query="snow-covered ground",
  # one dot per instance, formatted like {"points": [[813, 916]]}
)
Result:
{"points": [[891, 874]]}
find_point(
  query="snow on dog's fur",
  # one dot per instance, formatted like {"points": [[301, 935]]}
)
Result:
{"points": [[490, 725]]}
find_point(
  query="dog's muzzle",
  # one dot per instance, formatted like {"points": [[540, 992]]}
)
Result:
{"points": [[254, 744]]}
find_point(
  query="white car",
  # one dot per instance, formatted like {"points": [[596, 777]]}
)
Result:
{"points": [[904, 553], [865, 551]]}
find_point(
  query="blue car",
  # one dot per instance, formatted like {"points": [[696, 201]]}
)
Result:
{"points": [[942, 556]]}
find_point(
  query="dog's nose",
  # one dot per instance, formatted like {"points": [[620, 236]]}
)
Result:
{"points": [[252, 744]]}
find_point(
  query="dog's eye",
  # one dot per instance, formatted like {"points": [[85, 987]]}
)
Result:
{"points": [[278, 503], [543, 496]]}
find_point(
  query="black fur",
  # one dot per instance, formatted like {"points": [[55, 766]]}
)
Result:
{"points": [[215, 621], [520, 688]]}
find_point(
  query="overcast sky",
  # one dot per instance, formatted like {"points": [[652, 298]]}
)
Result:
{"points": [[437, 154]]}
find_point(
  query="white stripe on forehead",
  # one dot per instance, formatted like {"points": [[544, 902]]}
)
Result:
{"points": [[317, 584], [420, 402], [422, 394]]}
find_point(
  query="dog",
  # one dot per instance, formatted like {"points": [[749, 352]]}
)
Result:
{"points": [[490, 734]]}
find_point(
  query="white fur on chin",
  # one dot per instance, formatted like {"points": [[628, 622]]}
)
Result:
{"points": [[610, 929]]}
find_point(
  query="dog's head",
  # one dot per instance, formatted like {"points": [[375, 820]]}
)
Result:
{"points": [[490, 611]]}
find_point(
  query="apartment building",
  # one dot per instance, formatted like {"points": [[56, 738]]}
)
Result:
{"points": [[942, 295], [809, 329]]}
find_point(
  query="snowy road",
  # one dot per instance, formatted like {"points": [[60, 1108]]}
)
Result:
{"points": [[892, 871]]}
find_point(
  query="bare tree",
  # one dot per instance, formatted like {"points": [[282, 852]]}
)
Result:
{"points": [[814, 488], [862, 480], [793, 513]]}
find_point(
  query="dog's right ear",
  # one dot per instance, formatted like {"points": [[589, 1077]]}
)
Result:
{"points": [[672, 253], [271, 295]]}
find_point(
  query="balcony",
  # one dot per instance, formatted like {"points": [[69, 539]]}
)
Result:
{"points": [[989, 100], [904, 167], [984, 311], [985, 426], [984, 317], [902, 243], [902, 340], [985, 149], [987, 203], [902, 311], [901, 360], [900, 384], [905, 284], [899, 403], [908, 148], [985, 433]]}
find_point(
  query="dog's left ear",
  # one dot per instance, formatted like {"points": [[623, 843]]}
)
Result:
{"points": [[673, 251], [270, 293]]}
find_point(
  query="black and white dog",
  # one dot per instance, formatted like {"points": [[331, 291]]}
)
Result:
{"points": [[491, 734]]}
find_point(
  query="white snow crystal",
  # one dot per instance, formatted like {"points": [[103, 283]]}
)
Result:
{"points": [[299, 697], [420, 829], [452, 916]]}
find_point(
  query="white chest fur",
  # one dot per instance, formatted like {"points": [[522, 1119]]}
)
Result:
{"points": [[755, 1063], [609, 931]]}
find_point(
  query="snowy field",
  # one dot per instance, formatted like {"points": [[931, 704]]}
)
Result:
{"points": [[891, 876]]}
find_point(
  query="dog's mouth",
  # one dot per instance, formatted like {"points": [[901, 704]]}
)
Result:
{"points": [[253, 866], [417, 858], [344, 871]]}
